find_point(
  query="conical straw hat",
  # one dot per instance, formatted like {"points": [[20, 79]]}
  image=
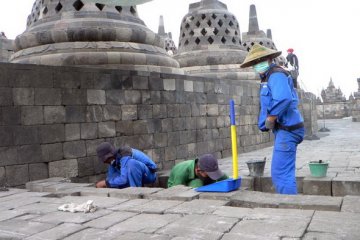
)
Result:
{"points": [[259, 53]]}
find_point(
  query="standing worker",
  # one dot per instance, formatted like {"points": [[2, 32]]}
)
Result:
{"points": [[279, 113], [292, 63]]}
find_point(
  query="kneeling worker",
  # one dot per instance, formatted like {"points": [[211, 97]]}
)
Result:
{"points": [[196, 173], [127, 167]]}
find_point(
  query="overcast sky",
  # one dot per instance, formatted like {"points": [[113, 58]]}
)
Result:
{"points": [[324, 34]]}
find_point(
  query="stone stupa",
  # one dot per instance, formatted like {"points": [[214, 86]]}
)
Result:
{"points": [[210, 44], [6, 47], [255, 35], [169, 42], [78, 33]]}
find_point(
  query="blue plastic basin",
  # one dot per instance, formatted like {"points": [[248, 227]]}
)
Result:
{"points": [[227, 185]]}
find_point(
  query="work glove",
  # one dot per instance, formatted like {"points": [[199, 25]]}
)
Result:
{"points": [[269, 124]]}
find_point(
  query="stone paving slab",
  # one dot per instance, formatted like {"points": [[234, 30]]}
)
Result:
{"points": [[38, 208], [322, 236], [344, 225], [155, 206], [180, 192], [342, 186], [274, 227], [145, 223], [199, 227], [217, 195], [197, 206], [129, 205], [93, 234], [232, 236], [63, 186], [109, 220], [8, 214], [100, 202], [38, 185], [351, 204], [58, 232], [262, 213], [23, 229], [267, 200], [133, 193], [68, 217]]}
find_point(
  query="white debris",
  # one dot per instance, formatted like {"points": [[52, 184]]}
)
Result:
{"points": [[84, 207]]}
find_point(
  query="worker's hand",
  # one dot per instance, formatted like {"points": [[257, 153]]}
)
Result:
{"points": [[101, 184], [270, 122]]}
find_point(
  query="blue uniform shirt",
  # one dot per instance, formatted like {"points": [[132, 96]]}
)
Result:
{"points": [[278, 97]]}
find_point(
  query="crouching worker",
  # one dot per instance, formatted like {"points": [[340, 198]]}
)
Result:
{"points": [[128, 167], [196, 173]]}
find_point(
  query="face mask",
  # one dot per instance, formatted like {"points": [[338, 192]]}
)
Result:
{"points": [[261, 67]]}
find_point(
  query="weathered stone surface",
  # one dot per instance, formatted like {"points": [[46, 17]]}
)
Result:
{"points": [[342, 186], [135, 192], [89, 130], [351, 204], [74, 149], [17, 174], [109, 220], [72, 132], [258, 199], [67, 217], [321, 236], [145, 223], [54, 114], [96, 97], [52, 133], [32, 115], [93, 234], [38, 171], [155, 206], [23, 229], [128, 205], [273, 223], [107, 129], [317, 186], [23, 96], [178, 192], [197, 206], [57, 232], [47, 96], [346, 224], [199, 227], [65, 168], [52, 152]]}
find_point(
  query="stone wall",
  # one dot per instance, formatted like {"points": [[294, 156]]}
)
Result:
{"points": [[52, 118], [356, 110], [308, 110], [334, 110]]}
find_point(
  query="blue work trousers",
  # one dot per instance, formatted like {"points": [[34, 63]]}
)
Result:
{"points": [[284, 158], [137, 176]]}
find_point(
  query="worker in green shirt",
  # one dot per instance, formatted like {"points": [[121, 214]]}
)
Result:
{"points": [[196, 173]]}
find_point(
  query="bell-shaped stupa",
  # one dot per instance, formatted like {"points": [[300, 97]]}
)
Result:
{"points": [[80, 33], [209, 42], [169, 42], [255, 35]]}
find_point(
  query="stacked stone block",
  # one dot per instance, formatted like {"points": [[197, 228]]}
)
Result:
{"points": [[53, 118]]}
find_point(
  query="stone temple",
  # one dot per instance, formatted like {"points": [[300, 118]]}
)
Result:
{"points": [[78, 33], [83, 73]]}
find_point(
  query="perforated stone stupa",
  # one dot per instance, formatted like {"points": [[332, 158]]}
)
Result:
{"points": [[77, 33], [169, 42], [209, 42], [255, 35]]}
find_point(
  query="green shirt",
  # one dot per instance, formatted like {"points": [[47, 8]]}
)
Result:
{"points": [[184, 174]]}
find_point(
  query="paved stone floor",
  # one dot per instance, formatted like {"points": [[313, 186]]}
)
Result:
{"points": [[181, 213]]}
